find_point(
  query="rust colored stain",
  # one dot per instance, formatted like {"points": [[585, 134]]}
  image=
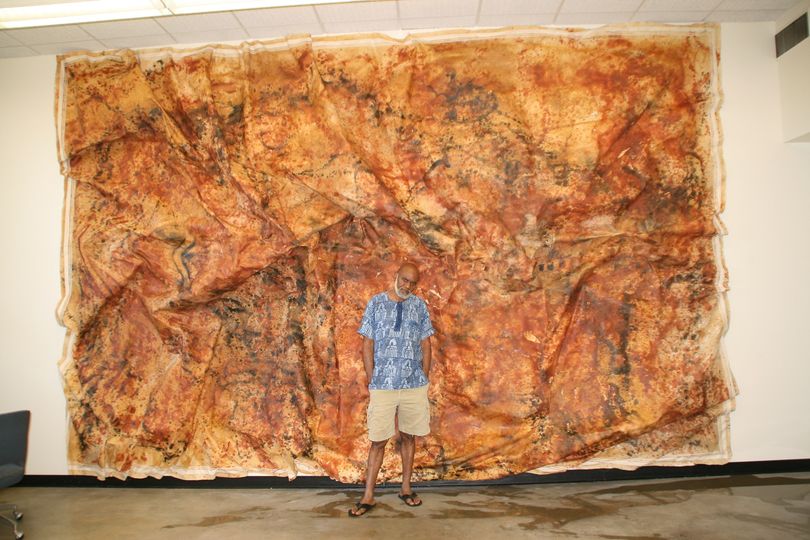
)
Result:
{"points": [[231, 214]]}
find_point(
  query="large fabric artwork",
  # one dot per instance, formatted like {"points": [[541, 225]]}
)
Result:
{"points": [[230, 210]]}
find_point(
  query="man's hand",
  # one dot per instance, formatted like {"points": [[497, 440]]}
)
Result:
{"points": [[368, 357]]}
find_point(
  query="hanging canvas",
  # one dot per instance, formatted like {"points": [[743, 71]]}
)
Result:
{"points": [[229, 211]]}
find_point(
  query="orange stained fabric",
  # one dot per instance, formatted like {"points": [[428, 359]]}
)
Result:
{"points": [[230, 211]]}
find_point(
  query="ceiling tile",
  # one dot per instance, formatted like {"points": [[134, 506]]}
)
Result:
{"points": [[756, 5], [16, 52], [135, 42], [267, 18], [345, 27], [61, 48], [501, 7], [49, 34], [137, 27], [210, 36], [8, 41], [670, 16], [285, 30], [438, 22], [744, 16], [413, 9], [198, 23], [599, 6], [593, 18], [360, 11], [509, 19], [679, 5]]}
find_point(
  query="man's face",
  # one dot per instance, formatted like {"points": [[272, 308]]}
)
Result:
{"points": [[407, 278]]}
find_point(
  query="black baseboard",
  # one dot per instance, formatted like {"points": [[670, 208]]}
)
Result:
{"points": [[323, 482]]}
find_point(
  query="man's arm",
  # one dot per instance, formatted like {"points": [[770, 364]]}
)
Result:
{"points": [[426, 355], [368, 356]]}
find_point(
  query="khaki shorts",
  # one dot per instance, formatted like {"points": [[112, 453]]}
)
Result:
{"points": [[410, 406]]}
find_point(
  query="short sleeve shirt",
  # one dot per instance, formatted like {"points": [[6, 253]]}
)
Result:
{"points": [[397, 329]]}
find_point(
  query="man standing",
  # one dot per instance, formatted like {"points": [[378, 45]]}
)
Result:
{"points": [[396, 332]]}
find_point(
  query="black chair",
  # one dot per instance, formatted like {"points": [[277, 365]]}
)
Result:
{"points": [[13, 450]]}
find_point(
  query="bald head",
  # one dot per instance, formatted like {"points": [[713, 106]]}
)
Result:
{"points": [[409, 268]]}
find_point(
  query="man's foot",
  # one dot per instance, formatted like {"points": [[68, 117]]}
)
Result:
{"points": [[360, 509], [411, 499]]}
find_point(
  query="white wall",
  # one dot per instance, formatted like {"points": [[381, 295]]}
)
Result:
{"points": [[768, 188], [31, 214], [767, 193]]}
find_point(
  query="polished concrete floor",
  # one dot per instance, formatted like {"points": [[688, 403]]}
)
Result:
{"points": [[738, 507]]}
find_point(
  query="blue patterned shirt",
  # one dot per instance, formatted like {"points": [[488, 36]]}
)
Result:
{"points": [[397, 329]]}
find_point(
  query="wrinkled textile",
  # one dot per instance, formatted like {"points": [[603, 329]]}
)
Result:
{"points": [[230, 210]]}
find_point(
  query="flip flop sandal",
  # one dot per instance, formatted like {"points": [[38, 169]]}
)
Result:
{"points": [[408, 499], [366, 508]]}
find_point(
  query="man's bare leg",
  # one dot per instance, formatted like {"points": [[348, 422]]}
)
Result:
{"points": [[407, 449], [375, 459]]}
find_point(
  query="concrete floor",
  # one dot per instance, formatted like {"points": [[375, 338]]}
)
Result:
{"points": [[738, 507]]}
